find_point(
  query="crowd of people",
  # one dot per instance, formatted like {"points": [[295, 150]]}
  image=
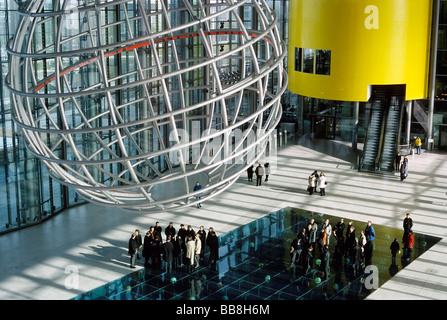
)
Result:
{"points": [[354, 249], [182, 248]]}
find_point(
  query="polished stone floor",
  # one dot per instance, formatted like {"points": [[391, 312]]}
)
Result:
{"points": [[255, 264], [85, 247]]}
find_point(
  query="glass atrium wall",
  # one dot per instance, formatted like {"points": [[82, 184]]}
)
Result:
{"points": [[440, 106]]}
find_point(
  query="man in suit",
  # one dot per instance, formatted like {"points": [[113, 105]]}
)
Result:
{"points": [[139, 242], [168, 250], [214, 249], [133, 249], [170, 231]]}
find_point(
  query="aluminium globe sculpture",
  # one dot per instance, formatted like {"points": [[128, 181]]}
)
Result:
{"points": [[132, 102]]}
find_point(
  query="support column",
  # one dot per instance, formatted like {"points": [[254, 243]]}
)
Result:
{"points": [[355, 125], [301, 115], [408, 124], [434, 57]]}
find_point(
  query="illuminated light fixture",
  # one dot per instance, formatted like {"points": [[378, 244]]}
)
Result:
{"points": [[139, 137]]}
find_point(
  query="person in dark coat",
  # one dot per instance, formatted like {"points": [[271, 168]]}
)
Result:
{"points": [[304, 238], [156, 252], [168, 254], [208, 237], [214, 250], [339, 228], [133, 249], [170, 231], [139, 242], [147, 248], [350, 239], [368, 252], [202, 234], [178, 259], [250, 173], [190, 232], [407, 225], [182, 232], [182, 240], [394, 247], [157, 231]]}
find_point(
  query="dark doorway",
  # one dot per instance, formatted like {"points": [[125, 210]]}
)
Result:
{"points": [[323, 126]]}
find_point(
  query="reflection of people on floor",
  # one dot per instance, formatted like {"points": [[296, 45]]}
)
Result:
{"points": [[295, 251], [368, 251], [337, 261], [325, 262], [356, 258], [309, 259], [394, 247]]}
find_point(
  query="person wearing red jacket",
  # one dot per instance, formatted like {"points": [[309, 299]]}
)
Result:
{"points": [[408, 246]]}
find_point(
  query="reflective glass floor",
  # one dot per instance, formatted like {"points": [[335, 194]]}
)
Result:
{"points": [[254, 264]]}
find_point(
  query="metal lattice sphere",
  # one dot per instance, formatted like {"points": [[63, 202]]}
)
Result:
{"points": [[132, 102]]}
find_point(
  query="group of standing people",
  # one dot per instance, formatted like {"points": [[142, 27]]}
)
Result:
{"points": [[407, 241], [317, 181], [354, 251], [184, 247], [401, 165], [259, 171]]}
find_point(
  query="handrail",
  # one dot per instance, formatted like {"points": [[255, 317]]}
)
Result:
{"points": [[382, 133]]}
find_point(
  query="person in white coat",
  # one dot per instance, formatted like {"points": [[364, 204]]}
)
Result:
{"points": [[322, 184], [267, 171], [311, 184], [197, 250], [190, 248]]}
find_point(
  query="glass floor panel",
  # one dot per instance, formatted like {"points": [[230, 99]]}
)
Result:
{"points": [[254, 264]]}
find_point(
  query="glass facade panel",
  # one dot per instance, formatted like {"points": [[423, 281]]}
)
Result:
{"points": [[298, 58], [323, 62], [308, 60]]}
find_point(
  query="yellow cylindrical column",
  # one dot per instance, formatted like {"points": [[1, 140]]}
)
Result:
{"points": [[339, 48]]}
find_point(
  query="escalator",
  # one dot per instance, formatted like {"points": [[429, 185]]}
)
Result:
{"points": [[383, 135]]}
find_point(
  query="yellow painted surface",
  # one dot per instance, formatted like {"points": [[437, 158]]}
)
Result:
{"points": [[372, 42]]}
